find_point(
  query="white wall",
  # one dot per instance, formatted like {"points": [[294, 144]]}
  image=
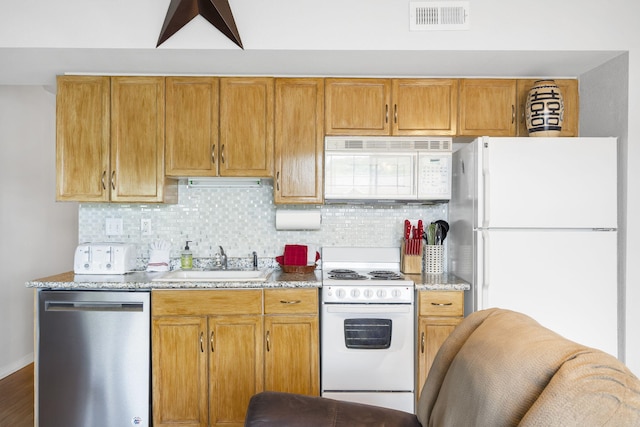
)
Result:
{"points": [[367, 25], [37, 235]]}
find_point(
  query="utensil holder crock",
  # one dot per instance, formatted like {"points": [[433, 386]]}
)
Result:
{"points": [[433, 259]]}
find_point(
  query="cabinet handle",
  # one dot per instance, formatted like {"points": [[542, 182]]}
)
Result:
{"points": [[268, 341], [295, 301], [211, 342], [278, 181], [422, 343], [395, 113], [102, 180], [386, 113], [222, 153], [441, 304], [113, 180], [213, 153], [201, 342], [513, 113]]}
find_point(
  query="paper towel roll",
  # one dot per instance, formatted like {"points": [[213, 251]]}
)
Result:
{"points": [[290, 219]]}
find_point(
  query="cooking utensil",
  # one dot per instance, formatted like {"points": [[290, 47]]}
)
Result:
{"points": [[431, 234], [444, 225]]}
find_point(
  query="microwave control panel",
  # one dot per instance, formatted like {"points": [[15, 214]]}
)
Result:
{"points": [[434, 176]]}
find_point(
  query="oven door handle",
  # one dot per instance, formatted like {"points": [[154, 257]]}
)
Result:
{"points": [[364, 309]]}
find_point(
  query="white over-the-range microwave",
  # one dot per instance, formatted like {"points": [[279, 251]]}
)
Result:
{"points": [[386, 169]]}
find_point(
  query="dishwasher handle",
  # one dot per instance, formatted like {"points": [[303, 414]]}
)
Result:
{"points": [[93, 306]]}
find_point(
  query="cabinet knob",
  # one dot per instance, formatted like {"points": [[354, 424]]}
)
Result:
{"points": [[222, 153], [113, 180], [268, 341], [201, 342], [211, 342], [422, 343], [102, 180], [213, 154]]}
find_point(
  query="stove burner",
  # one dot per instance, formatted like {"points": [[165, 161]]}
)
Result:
{"points": [[385, 275], [341, 274], [342, 271]]}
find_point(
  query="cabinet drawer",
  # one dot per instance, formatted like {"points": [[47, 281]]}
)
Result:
{"points": [[206, 302], [290, 301], [441, 303]]}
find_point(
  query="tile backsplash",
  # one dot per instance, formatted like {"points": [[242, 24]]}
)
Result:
{"points": [[242, 220]]}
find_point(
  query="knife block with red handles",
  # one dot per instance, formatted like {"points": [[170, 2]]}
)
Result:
{"points": [[410, 258]]}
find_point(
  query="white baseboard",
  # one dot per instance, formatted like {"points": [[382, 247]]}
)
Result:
{"points": [[9, 369]]}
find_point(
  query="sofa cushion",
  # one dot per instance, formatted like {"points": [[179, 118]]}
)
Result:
{"points": [[275, 409]]}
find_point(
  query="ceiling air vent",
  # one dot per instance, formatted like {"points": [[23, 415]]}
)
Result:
{"points": [[439, 15]]}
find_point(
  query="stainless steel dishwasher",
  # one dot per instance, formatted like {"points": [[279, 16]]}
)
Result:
{"points": [[93, 359]]}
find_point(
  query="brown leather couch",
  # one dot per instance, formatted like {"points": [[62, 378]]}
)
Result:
{"points": [[498, 368]]}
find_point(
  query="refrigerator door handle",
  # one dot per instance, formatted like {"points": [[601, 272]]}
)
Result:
{"points": [[483, 274], [483, 201]]}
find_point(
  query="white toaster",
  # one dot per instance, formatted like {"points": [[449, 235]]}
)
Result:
{"points": [[104, 258]]}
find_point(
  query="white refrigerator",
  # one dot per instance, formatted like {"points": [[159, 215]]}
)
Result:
{"points": [[533, 228]]}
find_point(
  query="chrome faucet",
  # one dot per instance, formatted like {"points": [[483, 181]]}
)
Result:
{"points": [[223, 258]]}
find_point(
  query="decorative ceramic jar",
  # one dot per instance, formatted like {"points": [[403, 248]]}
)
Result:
{"points": [[544, 109]]}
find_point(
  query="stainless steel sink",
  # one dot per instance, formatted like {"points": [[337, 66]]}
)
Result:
{"points": [[214, 276]]}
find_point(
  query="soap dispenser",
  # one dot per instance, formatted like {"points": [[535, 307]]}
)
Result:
{"points": [[186, 258]]}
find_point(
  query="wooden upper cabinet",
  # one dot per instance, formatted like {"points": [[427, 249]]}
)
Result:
{"points": [[191, 126], [424, 106], [110, 140], [391, 106], [357, 106], [82, 138], [487, 107], [570, 95], [299, 140], [137, 139], [246, 126]]}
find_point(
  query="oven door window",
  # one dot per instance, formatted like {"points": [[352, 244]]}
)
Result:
{"points": [[371, 334]]}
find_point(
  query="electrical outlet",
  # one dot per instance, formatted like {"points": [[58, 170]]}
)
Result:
{"points": [[114, 227], [145, 226]]}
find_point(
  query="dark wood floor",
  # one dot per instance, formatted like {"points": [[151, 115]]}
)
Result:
{"points": [[16, 399]]}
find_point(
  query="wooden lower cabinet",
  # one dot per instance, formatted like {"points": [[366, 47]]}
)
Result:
{"points": [[235, 367], [292, 354], [214, 349], [439, 312], [180, 373]]}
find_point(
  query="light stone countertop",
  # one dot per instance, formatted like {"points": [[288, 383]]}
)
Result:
{"points": [[143, 280]]}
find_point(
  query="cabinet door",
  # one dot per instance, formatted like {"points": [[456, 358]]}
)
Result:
{"points": [[570, 95], [357, 106], [299, 140], [425, 106], [137, 139], [82, 138], [179, 363], [192, 126], [432, 332], [487, 107], [236, 367], [246, 126], [292, 354]]}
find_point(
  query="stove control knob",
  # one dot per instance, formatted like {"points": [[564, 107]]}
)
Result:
{"points": [[368, 293], [382, 293], [341, 293], [396, 293], [355, 293]]}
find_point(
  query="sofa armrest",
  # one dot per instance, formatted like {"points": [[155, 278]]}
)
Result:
{"points": [[275, 409]]}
